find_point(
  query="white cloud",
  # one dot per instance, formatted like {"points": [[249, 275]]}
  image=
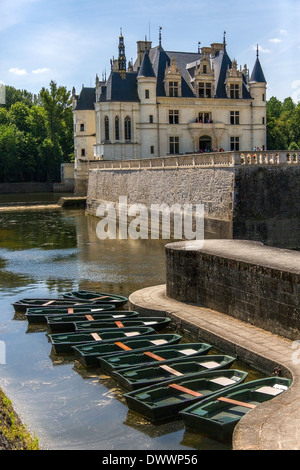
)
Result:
{"points": [[275, 40], [38, 71], [17, 71], [283, 32]]}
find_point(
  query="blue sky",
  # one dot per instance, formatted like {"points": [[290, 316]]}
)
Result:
{"points": [[69, 41]]}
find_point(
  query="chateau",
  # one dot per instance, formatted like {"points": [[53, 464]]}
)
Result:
{"points": [[169, 103]]}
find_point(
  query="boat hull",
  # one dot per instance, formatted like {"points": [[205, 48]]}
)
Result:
{"points": [[117, 300], [21, 306], [157, 323], [217, 418], [133, 379], [89, 355], [40, 315], [64, 342], [164, 354], [64, 323], [163, 402]]}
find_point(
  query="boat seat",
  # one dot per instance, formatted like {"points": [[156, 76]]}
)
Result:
{"points": [[236, 402]]}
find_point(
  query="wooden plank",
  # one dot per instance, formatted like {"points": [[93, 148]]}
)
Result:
{"points": [[99, 298], [48, 303], [89, 317], [237, 402], [154, 356], [171, 370], [96, 337], [186, 390], [123, 346]]}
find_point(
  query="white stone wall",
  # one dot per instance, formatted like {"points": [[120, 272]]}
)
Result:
{"points": [[211, 187]]}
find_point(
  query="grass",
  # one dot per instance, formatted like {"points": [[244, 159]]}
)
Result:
{"points": [[13, 434]]}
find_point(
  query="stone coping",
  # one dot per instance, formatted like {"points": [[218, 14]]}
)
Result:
{"points": [[274, 425], [245, 251]]}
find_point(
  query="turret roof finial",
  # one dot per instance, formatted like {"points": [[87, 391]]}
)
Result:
{"points": [[257, 51], [224, 40], [160, 29]]}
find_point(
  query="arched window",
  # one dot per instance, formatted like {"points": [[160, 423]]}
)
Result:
{"points": [[106, 128], [117, 128], [127, 128]]}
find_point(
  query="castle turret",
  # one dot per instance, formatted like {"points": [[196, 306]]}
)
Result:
{"points": [[258, 87]]}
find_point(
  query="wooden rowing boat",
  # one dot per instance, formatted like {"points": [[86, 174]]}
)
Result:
{"points": [[21, 306], [157, 323], [40, 315], [63, 342], [132, 379], [86, 295], [165, 400], [218, 415], [89, 354], [67, 323], [162, 355]]}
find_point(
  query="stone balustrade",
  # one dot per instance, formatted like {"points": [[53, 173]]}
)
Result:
{"points": [[210, 159]]}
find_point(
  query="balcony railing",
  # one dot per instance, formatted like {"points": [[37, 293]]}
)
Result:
{"points": [[205, 160]]}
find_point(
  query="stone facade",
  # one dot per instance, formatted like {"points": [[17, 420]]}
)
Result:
{"points": [[171, 103]]}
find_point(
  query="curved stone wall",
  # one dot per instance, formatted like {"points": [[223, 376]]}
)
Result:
{"points": [[244, 279]]}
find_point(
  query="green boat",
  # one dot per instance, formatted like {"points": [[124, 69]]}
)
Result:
{"points": [[21, 306], [164, 401], [63, 342], [163, 355], [67, 323], [132, 379], [157, 323], [88, 354], [86, 295], [218, 415], [40, 315]]}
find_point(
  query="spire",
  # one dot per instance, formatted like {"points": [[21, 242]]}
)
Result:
{"points": [[160, 29], [224, 40], [122, 57], [257, 73]]}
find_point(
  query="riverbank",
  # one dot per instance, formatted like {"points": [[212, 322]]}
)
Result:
{"points": [[13, 434], [63, 203]]}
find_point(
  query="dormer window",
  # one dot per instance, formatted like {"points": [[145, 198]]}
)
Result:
{"points": [[173, 80], [234, 90], [173, 89], [204, 69]]}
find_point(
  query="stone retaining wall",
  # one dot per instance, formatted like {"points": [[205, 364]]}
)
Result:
{"points": [[246, 280]]}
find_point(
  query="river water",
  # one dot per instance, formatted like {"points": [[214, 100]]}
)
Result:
{"points": [[43, 254]]}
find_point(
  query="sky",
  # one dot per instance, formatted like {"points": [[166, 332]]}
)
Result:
{"points": [[70, 41]]}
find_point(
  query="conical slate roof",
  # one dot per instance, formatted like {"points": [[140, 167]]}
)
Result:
{"points": [[257, 73], [146, 69]]}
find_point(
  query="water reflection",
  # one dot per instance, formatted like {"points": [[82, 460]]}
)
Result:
{"points": [[43, 254]]}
